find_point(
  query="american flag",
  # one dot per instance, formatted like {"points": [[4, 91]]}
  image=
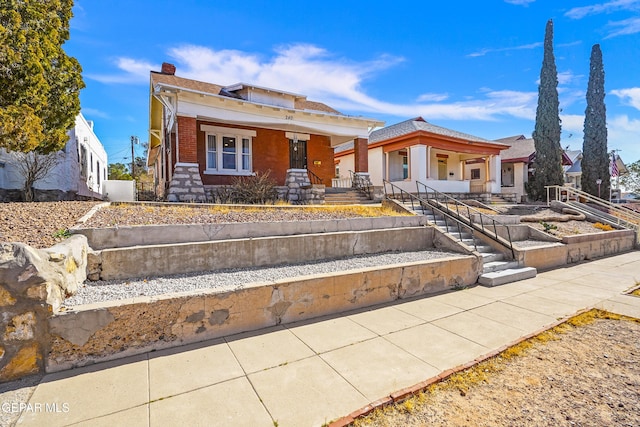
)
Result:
{"points": [[614, 166]]}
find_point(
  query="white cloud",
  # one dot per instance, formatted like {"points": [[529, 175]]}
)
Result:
{"points": [[624, 135], [625, 27], [483, 52], [629, 96], [133, 72], [90, 113], [519, 2], [608, 7], [318, 74], [435, 97]]}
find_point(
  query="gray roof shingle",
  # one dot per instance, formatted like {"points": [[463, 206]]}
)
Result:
{"points": [[419, 124]]}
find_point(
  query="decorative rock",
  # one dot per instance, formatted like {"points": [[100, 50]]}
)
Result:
{"points": [[6, 298], [37, 292], [20, 327], [26, 361]]}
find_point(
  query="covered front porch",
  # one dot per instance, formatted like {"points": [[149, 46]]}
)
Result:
{"points": [[446, 171]]}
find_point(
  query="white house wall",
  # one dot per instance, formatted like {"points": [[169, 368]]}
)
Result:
{"points": [[376, 166], [65, 176]]}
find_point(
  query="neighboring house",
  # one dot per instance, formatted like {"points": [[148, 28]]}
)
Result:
{"points": [[573, 172], [517, 164], [202, 135], [416, 150], [79, 173]]}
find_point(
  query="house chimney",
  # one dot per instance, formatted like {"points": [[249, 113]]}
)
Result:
{"points": [[168, 68]]}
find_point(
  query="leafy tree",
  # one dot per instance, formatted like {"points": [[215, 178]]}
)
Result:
{"points": [[546, 136], [119, 171], [595, 160], [40, 82], [631, 180]]}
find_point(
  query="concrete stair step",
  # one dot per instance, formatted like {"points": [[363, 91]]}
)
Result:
{"points": [[484, 249], [510, 275], [488, 257], [491, 266]]}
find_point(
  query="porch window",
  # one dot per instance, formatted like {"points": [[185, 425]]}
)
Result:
{"points": [[405, 167], [211, 152], [228, 153], [475, 173], [228, 150]]}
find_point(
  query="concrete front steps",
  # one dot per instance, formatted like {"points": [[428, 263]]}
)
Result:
{"points": [[496, 270], [345, 196]]}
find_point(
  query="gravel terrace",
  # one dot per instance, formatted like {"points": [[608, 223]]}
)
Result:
{"points": [[587, 377]]}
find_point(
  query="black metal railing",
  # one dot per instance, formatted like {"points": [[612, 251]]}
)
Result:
{"points": [[361, 184], [313, 178], [486, 225], [451, 224]]}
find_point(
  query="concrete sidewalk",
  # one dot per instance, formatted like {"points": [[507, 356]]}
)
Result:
{"points": [[310, 373]]}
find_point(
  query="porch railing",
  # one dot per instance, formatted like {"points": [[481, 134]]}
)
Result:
{"points": [[451, 223], [313, 178], [361, 184], [461, 211]]}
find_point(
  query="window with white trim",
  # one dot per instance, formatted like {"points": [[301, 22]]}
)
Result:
{"points": [[228, 150]]}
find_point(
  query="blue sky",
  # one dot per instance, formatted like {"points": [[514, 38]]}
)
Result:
{"points": [[472, 66]]}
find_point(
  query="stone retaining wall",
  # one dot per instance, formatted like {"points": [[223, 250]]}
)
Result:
{"points": [[33, 284], [112, 330]]}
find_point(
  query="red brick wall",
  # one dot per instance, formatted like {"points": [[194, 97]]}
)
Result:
{"points": [[319, 149], [361, 154], [270, 151], [187, 140]]}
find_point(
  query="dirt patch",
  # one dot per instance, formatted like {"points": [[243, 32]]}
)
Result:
{"points": [[585, 375]]}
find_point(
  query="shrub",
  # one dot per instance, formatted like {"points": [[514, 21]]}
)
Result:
{"points": [[257, 189], [603, 227]]}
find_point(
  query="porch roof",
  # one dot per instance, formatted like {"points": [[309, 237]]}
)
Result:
{"points": [[418, 131]]}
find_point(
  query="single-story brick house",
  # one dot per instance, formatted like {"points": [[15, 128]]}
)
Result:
{"points": [[202, 135]]}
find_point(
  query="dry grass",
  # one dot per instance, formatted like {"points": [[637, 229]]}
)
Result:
{"points": [[463, 381]]}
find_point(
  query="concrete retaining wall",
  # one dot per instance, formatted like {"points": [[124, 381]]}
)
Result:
{"points": [[117, 329], [158, 260], [577, 248], [121, 237]]}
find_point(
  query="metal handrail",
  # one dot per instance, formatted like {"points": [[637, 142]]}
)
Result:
{"points": [[444, 199], [360, 184], [630, 219], [596, 200], [315, 179], [424, 204]]}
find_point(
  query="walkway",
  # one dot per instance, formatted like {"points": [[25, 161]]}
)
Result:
{"points": [[311, 373]]}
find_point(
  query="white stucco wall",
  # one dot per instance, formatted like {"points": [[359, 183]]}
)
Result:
{"points": [[66, 176], [376, 166]]}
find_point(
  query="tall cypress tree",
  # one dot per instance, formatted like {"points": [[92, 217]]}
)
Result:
{"points": [[546, 136], [595, 157]]}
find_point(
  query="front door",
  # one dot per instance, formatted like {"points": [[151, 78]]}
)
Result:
{"points": [[297, 154], [442, 169]]}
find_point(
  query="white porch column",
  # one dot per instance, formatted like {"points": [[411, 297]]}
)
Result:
{"points": [[418, 168], [495, 174], [429, 162]]}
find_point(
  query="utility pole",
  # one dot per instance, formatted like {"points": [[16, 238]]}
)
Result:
{"points": [[134, 140]]}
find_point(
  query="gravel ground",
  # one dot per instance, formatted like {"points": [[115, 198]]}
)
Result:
{"points": [[234, 279], [37, 223], [589, 376]]}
